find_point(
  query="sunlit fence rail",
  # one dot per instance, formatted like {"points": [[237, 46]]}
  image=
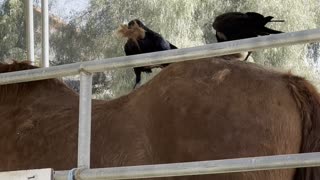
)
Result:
{"points": [[198, 168], [85, 69], [170, 56]]}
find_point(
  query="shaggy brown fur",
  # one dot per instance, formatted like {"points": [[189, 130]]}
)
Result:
{"points": [[191, 111], [134, 33]]}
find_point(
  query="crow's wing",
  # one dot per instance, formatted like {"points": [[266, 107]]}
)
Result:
{"points": [[131, 48]]}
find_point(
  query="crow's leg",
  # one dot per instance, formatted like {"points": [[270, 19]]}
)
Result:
{"points": [[137, 72]]}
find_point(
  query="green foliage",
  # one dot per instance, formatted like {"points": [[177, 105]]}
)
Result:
{"points": [[91, 34], [12, 34], [66, 46], [189, 23]]}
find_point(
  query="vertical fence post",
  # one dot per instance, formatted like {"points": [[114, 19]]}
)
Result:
{"points": [[45, 33], [84, 133], [29, 29]]}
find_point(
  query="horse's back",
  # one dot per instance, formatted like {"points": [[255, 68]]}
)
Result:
{"points": [[213, 109], [192, 111]]}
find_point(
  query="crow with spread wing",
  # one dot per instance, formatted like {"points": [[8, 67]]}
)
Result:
{"points": [[141, 40]]}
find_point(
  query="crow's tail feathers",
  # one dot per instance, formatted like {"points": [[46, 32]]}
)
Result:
{"points": [[267, 31], [172, 46]]}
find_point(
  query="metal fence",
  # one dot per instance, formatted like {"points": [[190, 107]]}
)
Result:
{"points": [[85, 69], [198, 168]]}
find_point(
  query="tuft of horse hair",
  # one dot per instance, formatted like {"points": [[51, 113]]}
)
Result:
{"points": [[134, 33]]}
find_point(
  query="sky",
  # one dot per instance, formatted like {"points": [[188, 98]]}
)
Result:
{"points": [[64, 8]]}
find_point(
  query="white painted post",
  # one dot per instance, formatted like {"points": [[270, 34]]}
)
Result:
{"points": [[29, 30], [45, 33], [84, 134]]}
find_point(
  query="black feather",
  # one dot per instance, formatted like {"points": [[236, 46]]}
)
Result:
{"points": [[152, 42], [236, 25]]}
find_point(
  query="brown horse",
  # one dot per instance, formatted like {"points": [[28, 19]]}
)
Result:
{"points": [[191, 111]]}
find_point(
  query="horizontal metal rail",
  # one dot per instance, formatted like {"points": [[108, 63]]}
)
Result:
{"points": [[198, 168], [211, 50]]}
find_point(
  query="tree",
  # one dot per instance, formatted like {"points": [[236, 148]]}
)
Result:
{"points": [[13, 29], [189, 23], [90, 34], [12, 34]]}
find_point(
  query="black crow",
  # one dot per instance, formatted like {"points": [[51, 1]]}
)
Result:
{"points": [[235, 25], [141, 40]]}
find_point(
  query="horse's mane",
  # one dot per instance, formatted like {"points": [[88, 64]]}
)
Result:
{"points": [[16, 66], [20, 89], [134, 33]]}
